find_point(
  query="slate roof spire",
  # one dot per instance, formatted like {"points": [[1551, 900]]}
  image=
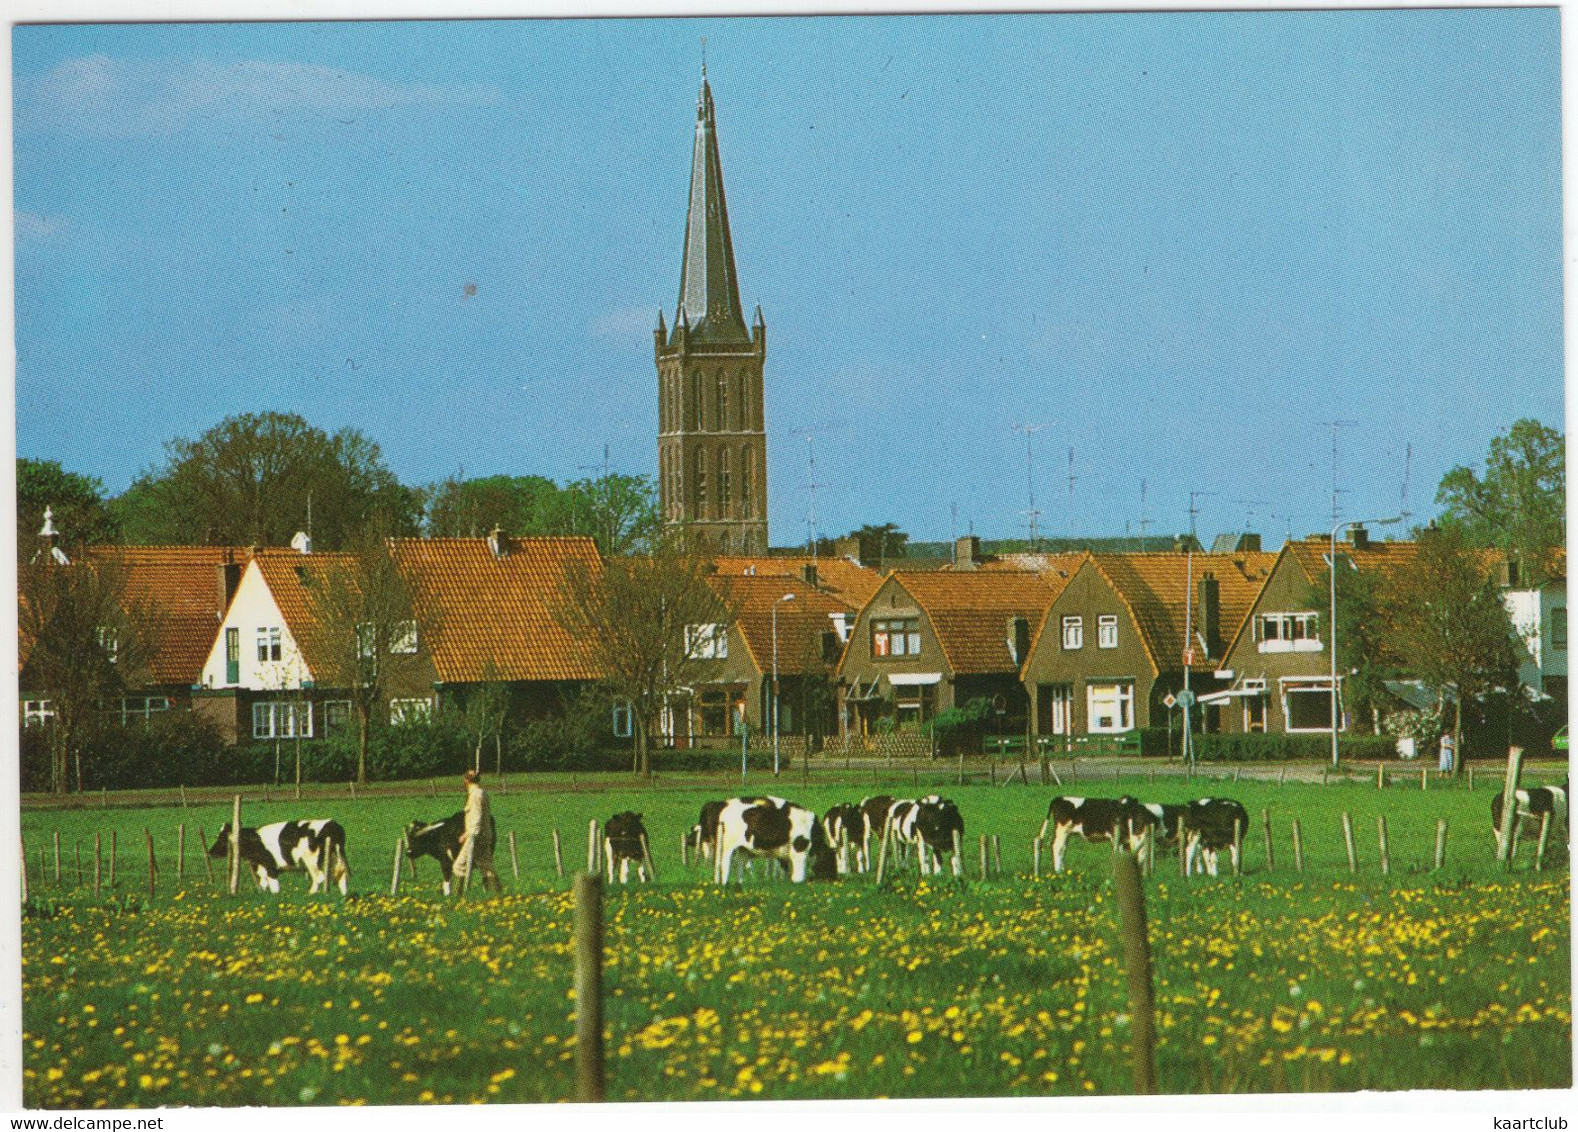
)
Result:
{"points": [[709, 292]]}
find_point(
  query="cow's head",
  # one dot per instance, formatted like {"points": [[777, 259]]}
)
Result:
{"points": [[221, 845]]}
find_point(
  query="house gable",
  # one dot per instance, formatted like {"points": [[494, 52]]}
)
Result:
{"points": [[253, 614]]}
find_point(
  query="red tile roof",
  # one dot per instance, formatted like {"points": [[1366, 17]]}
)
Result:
{"points": [[854, 583], [497, 609], [288, 573], [179, 585], [969, 611], [801, 622]]}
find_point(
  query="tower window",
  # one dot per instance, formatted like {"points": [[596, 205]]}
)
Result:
{"points": [[722, 421], [695, 402], [699, 487], [747, 495], [723, 482]]}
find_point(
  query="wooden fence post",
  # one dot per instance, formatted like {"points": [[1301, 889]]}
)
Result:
{"points": [[1298, 847], [57, 858], [882, 852], [588, 987], [1380, 776], [1137, 971], [1265, 822], [394, 875], [515, 862], [1386, 854], [235, 846], [1509, 806], [180, 853], [202, 844], [1545, 830], [1441, 840], [23, 842], [684, 850], [113, 855], [1512, 850], [558, 855], [153, 870], [593, 863], [1471, 780], [646, 855], [997, 855], [1424, 778], [1238, 847], [983, 856], [98, 860], [1035, 857], [1347, 840]]}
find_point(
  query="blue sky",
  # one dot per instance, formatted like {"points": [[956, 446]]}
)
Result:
{"points": [[1180, 241]]}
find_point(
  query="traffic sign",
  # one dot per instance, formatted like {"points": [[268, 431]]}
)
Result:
{"points": [[1186, 698]]}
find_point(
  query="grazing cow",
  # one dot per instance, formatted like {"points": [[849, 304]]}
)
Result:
{"points": [[1531, 806], [1211, 825], [840, 824], [315, 846], [440, 840], [938, 827], [623, 838], [704, 834], [774, 829], [1095, 819], [874, 819], [1166, 819]]}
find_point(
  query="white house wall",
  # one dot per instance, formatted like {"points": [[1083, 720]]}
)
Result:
{"points": [[252, 608]]}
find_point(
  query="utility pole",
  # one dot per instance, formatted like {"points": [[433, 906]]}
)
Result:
{"points": [[1187, 699]]}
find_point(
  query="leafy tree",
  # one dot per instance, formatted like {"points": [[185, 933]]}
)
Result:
{"points": [[520, 505], [75, 501], [84, 644], [633, 614], [880, 543], [1447, 625], [1520, 504], [252, 479], [619, 511], [1362, 633], [482, 715], [366, 620]]}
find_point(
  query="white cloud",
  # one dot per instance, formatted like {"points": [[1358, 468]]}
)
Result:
{"points": [[628, 322], [105, 97]]}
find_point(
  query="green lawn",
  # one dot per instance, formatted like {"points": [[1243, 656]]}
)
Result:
{"points": [[1270, 981]]}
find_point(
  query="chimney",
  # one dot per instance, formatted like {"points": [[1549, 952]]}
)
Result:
{"points": [[1211, 614], [967, 552], [809, 573], [1249, 541], [301, 542], [1360, 537], [229, 578], [1019, 639], [498, 543]]}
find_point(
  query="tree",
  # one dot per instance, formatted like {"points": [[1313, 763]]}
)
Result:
{"points": [[84, 643], [879, 543], [1521, 503], [619, 511], [520, 505], [482, 714], [1362, 633], [367, 629], [1447, 625], [253, 479], [636, 616], [76, 503]]}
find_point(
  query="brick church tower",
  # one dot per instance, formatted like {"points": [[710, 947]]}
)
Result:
{"points": [[712, 440]]}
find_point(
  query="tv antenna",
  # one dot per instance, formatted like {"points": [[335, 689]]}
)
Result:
{"points": [[811, 485], [1144, 522], [1336, 512], [1408, 460], [1071, 479], [1030, 512]]}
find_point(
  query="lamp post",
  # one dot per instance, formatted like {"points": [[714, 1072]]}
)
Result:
{"points": [[776, 604], [1332, 569]]}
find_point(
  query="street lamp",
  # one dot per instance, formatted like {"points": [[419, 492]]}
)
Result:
{"points": [[1332, 565], [776, 604]]}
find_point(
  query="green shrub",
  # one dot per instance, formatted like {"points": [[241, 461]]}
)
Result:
{"points": [[1274, 747]]}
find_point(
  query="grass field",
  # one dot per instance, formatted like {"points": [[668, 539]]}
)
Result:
{"points": [[1271, 981]]}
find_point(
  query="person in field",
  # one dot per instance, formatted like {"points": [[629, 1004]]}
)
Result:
{"points": [[476, 839]]}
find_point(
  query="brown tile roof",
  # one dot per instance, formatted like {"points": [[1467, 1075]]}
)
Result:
{"points": [[1155, 587], [497, 609], [801, 622], [854, 583], [179, 585], [969, 611], [1311, 553], [288, 573]]}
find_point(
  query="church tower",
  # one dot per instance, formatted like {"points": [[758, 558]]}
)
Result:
{"points": [[712, 439]]}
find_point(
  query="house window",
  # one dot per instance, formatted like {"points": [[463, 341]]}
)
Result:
{"points": [[336, 716], [624, 720], [410, 711], [37, 713], [707, 642], [142, 707], [1559, 628], [896, 637], [1107, 631], [1289, 632], [232, 656], [1307, 707], [1073, 632], [1255, 713], [366, 641], [1057, 709], [269, 644], [282, 719], [712, 708], [110, 641], [1111, 707], [402, 637]]}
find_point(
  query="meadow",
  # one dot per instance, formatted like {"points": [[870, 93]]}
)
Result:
{"points": [[1271, 981]]}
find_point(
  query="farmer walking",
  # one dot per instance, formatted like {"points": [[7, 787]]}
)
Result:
{"points": [[476, 840]]}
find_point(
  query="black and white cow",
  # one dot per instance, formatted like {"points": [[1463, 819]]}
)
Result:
{"points": [[704, 834], [315, 846], [842, 825], [624, 838], [1166, 820], [1094, 819], [936, 829], [874, 812], [1531, 806], [441, 841], [1211, 825], [772, 828]]}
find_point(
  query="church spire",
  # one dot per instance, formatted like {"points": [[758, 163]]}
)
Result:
{"points": [[709, 293]]}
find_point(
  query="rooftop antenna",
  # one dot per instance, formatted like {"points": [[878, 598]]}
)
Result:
{"points": [[1336, 512], [1071, 479], [1144, 522], [953, 529], [1188, 642], [1408, 460], [1249, 506], [811, 485], [1030, 481]]}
